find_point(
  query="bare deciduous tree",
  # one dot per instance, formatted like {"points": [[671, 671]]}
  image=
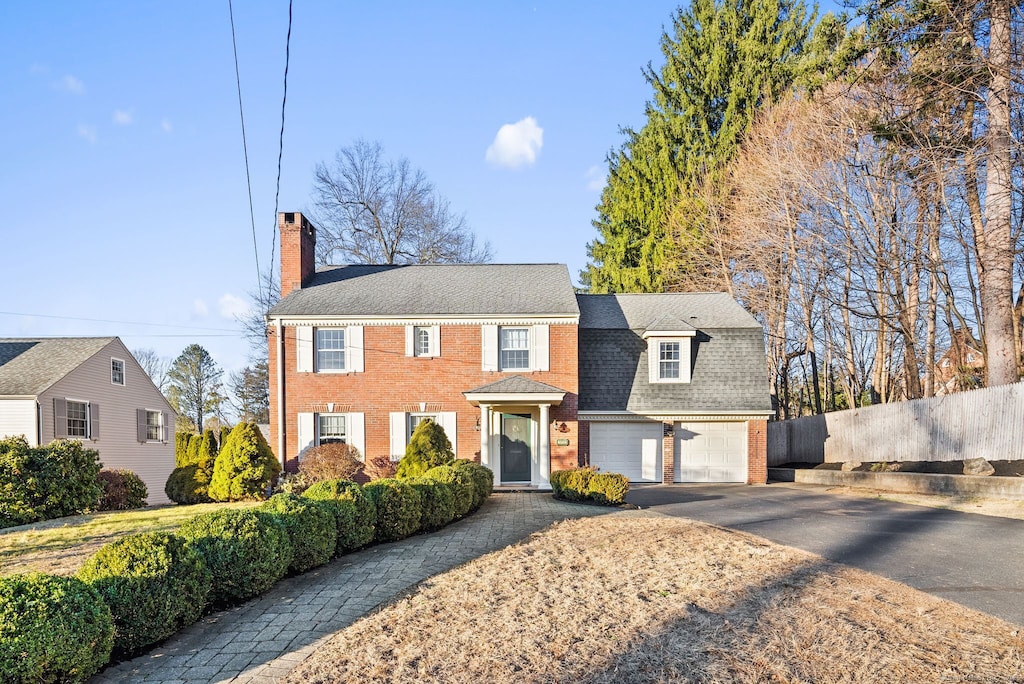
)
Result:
{"points": [[157, 367]]}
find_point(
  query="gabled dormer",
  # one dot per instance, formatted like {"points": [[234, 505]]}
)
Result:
{"points": [[668, 350]]}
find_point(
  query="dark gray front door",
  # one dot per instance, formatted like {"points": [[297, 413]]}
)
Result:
{"points": [[515, 448]]}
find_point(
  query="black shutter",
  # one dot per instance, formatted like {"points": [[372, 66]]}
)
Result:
{"points": [[60, 418], [94, 421], [140, 425]]}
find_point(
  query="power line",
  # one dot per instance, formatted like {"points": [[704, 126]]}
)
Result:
{"points": [[245, 151], [280, 145], [103, 320]]}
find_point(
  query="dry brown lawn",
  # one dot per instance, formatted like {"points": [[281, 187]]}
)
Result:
{"points": [[638, 597]]}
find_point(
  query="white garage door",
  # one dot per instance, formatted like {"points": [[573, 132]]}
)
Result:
{"points": [[711, 452], [632, 449]]}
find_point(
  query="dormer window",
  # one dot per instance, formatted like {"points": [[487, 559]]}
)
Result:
{"points": [[668, 354], [668, 360]]}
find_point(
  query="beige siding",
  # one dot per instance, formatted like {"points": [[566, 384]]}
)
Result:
{"points": [[18, 417], [118, 442]]}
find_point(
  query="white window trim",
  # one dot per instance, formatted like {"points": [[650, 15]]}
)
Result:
{"points": [[88, 418], [530, 353], [316, 426], [421, 415], [346, 362], [654, 360], [124, 372], [160, 426]]}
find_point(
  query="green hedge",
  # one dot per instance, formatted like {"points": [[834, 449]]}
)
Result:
{"points": [[354, 512], [437, 502], [608, 488], [462, 484], [41, 483], [399, 508], [153, 583], [246, 551], [586, 484], [482, 477], [52, 629], [123, 490], [311, 528]]}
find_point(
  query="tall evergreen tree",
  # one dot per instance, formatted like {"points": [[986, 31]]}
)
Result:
{"points": [[723, 60], [195, 384]]}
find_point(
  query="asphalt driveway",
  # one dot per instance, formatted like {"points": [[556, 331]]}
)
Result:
{"points": [[974, 560]]}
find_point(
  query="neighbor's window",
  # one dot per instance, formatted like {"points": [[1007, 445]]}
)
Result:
{"points": [[154, 426], [421, 340], [515, 348], [668, 360], [331, 428], [116, 372], [330, 349], [78, 418]]}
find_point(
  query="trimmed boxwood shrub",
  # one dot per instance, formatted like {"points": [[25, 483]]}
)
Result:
{"points": [[461, 482], [123, 490], [608, 488], [572, 484], [52, 629], [246, 551], [311, 528], [399, 508], [245, 466], [354, 512], [52, 481], [437, 502], [483, 480], [153, 583], [188, 484]]}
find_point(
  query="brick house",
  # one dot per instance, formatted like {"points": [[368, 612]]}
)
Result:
{"points": [[962, 367], [524, 375]]}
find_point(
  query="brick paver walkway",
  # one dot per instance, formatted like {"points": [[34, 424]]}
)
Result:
{"points": [[265, 638]]}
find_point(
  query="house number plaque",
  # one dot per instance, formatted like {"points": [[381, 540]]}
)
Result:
{"points": [[562, 442]]}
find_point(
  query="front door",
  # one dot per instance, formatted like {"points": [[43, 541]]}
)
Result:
{"points": [[515, 448]]}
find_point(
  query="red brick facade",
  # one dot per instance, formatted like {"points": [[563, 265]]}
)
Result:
{"points": [[757, 451]]}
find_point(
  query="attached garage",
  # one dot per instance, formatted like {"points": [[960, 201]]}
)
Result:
{"points": [[711, 452], [630, 448]]}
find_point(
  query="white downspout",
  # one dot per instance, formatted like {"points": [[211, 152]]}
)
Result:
{"points": [[280, 393]]}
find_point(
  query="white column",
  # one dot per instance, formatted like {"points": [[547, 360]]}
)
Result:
{"points": [[485, 435], [544, 481]]}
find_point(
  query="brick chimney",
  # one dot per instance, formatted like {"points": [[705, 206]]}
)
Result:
{"points": [[298, 243]]}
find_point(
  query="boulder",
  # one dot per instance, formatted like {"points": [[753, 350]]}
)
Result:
{"points": [[850, 465], [978, 466]]}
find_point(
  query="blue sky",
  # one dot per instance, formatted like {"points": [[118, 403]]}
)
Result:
{"points": [[122, 175]]}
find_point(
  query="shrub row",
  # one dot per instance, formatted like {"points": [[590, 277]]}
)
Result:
{"points": [[586, 484], [140, 589]]}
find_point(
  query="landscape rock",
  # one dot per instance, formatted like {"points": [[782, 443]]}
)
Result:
{"points": [[850, 465], [977, 466]]}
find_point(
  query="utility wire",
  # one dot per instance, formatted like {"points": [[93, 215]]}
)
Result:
{"points": [[245, 151], [280, 147], [103, 320]]}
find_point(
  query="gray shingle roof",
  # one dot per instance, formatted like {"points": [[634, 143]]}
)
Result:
{"points": [[28, 366], [701, 310], [435, 289], [727, 355], [515, 384]]}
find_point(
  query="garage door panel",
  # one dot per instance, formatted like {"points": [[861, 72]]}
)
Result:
{"points": [[632, 449], [711, 452]]}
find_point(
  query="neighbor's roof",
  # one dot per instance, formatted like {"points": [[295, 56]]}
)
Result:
{"points": [[28, 366], [701, 310], [434, 289]]}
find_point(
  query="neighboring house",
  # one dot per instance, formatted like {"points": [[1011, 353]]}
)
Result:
{"points": [[91, 389], [962, 366], [524, 375]]}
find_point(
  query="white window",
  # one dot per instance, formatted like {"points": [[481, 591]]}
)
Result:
{"points": [[945, 363], [331, 428], [421, 341], [117, 372], [515, 348], [330, 349], [668, 360], [154, 426], [78, 418], [415, 419]]}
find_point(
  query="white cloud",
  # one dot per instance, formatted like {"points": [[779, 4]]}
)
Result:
{"points": [[87, 132], [199, 308], [124, 117], [232, 307], [595, 178], [70, 84], [166, 125], [516, 144]]}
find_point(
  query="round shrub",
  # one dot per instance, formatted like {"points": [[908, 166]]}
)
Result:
{"points": [[188, 484], [608, 488], [557, 480], [399, 508], [573, 484], [482, 477], [246, 551], [245, 466], [123, 490], [52, 481], [437, 502], [153, 583], [461, 483], [311, 528], [428, 447], [52, 629], [333, 461], [354, 512]]}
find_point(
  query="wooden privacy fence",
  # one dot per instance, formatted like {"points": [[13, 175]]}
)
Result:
{"points": [[987, 422]]}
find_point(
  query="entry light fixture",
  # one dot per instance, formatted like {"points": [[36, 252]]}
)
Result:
{"points": [[477, 426]]}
